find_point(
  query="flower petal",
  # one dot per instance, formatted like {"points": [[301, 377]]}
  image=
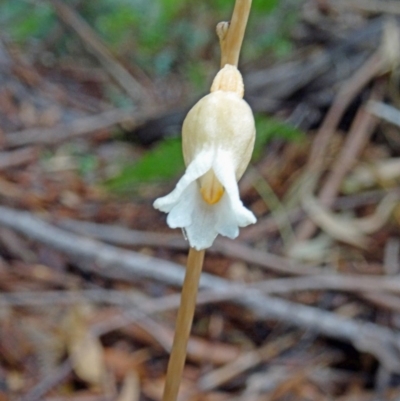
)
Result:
{"points": [[201, 233], [223, 167], [181, 214], [199, 166], [226, 223], [210, 220]]}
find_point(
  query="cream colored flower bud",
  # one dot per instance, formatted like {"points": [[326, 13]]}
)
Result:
{"points": [[217, 139], [228, 79]]}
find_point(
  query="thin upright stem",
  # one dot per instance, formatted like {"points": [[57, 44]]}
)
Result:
{"points": [[183, 324], [231, 38], [232, 41]]}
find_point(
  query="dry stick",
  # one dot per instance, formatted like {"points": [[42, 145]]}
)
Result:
{"points": [[385, 111], [391, 269], [386, 301], [363, 126], [346, 94], [183, 324], [329, 282], [349, 89], [245, 361], [154, 268], [361, 129], [78, 127], [122, 236], [110, 261], [125, 237], [95, 46], [391, 7], [15, 158], [53, 379]]}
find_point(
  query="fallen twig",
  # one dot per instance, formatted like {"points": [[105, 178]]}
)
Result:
{"points": [[125, 237], [391, 7], [34, 299], [385, 111], [245, 361], [328, 282], [380, 341], [269, 225], [64, 132], [95, 46], [358, 136], [17, 157], [42, 388], [346, 94]]}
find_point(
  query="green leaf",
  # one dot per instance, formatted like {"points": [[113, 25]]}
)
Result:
{"points": [[227, 6], [268, 128], [163, 162], [264, 5], [117, 24], [26, 21]]}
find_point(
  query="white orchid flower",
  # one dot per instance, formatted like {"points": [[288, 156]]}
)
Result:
{"points": [[217, 140]]}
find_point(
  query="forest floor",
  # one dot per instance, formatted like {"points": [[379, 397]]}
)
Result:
{"points": [[304, 305]]}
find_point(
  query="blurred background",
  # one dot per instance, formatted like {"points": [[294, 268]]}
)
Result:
{"points": [[154, 58], [304, 305]]}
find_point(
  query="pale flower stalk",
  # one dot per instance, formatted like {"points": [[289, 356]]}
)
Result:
{"points": [[217, 140]]}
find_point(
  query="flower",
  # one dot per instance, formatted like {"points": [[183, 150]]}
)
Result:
{"points": [[217, 140]]}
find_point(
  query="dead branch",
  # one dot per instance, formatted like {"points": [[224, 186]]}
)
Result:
{"points": [[50, 298], [125, 237], [245, 361], [362, 127], [346, 94], [79, 127], [380, 341], [373, 6], [95, 46], [122, 236], [17, 157], [372, 285], [337, 282], [385, 111], [43, 387], [358, 136], [269, 224], [329, 282]]}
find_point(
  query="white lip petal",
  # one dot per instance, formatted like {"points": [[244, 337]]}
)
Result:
{"points": [[199, 166], [201, 232], [181, 213], [207, 221], [223, 167], [226, 223], [202, 222]]}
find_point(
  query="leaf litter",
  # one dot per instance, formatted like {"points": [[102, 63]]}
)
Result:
{"points": [[78, 325]]}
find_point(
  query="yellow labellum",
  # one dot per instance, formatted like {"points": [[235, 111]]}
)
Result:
{"points": [[210, 188]]}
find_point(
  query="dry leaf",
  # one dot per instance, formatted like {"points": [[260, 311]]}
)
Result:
{"points": [[338, 227], [382, 172], [390, 48], [85, 349], [313, 250], [374, 222], [130, 388], [87, 359]]}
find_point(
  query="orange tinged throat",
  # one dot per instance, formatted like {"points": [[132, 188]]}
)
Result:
{"points": [[210, 188]]}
